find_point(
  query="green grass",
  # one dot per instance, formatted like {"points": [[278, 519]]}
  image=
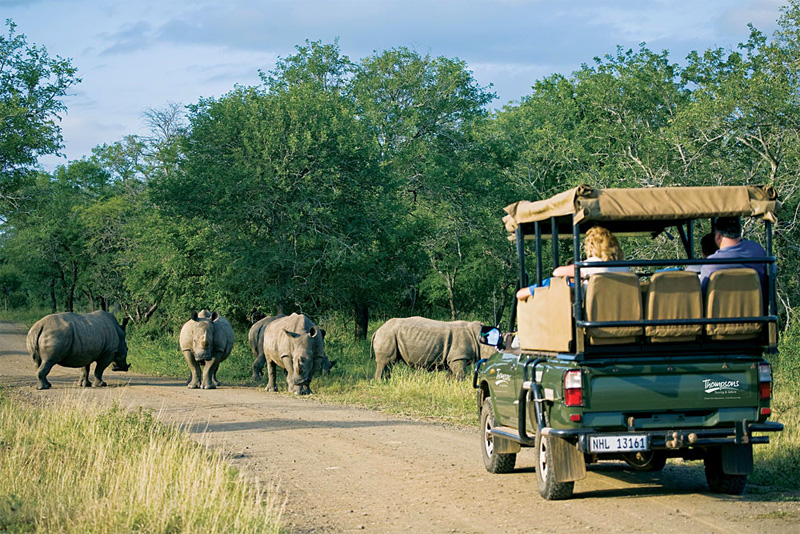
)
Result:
{"points": [[79, 468]]}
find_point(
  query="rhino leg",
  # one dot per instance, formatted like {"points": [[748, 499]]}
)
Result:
{"points": [[459, 368], [42, 372], [383, 369], [271, 372], [287, 364], [99, 368], [258, 367], [210, 374], [194, 368], [83, 381]]}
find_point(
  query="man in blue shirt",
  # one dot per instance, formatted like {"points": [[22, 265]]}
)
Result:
{"points": [[728, 236]]}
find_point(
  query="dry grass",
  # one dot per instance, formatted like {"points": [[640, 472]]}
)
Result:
{"points": [[78, 468]]}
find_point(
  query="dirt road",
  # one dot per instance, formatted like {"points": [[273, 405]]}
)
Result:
{"points": [[349, 470]]}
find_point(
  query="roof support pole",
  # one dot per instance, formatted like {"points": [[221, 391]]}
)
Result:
{"points": [[554, 244], [538, 229]]}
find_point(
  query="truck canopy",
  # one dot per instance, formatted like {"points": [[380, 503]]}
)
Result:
{"points": [[649, 209]]}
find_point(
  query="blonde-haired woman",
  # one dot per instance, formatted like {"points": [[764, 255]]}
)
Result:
{"points": [[600, 245]]}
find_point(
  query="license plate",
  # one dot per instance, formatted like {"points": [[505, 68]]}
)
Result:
{"points": [[619, 443]]}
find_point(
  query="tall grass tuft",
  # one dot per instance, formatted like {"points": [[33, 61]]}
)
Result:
{"points": [[778, 464], [78, 468]]}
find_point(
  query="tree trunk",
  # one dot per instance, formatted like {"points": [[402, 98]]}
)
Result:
{"points": [[53, 303], [69, 305], [362, 321]]}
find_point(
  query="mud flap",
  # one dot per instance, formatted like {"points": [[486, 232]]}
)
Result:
{"points": [[568, 463], [737, 459], [505, 446]]}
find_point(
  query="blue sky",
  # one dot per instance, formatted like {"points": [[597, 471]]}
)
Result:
{"points": [[139, 54]]}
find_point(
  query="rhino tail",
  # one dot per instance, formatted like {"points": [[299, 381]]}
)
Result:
{"points": [[372, 345], [32, 341]]}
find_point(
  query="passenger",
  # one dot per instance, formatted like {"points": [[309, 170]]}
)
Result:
{"points": [[600, 245], [708, 246], [728, 237]]}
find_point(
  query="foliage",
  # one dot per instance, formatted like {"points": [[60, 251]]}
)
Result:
{"points": [[374, 188], [31, 87]]}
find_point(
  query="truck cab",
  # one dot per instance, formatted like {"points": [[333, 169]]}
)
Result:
{"points": [[641, 365]]}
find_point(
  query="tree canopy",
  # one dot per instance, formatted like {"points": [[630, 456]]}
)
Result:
{"points": [[371, 187]]}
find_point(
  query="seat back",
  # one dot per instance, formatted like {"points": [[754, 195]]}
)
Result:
{"points": [[613, 297], [734, 293], [545, 318], [674, 295]]}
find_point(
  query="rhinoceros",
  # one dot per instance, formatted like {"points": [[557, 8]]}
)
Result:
{"points": [[296, 344], [207, 340], [77, 340], [256, 338], [427, 344]]}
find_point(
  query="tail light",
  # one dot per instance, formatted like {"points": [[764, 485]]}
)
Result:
{"points": [[573, 392], [764, 381]]}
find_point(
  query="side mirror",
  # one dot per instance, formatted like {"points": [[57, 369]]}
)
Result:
{"points": [[490, 335]]}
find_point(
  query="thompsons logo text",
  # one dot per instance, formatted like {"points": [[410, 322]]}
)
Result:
{"points": [[713, 386]]}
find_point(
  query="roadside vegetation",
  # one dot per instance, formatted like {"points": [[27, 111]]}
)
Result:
{"points": [[436, 396], [75, 467]]}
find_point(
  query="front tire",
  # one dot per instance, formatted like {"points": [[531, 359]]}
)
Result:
{"points": [[493, 461], [545, 479], [720, 482]]}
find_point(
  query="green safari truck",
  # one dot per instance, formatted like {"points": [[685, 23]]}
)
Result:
{"points": [[641, 365]]}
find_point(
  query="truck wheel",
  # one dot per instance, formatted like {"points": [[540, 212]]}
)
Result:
{"points": [[494, 462], [545, 479], [646, 461], [719, 482]]}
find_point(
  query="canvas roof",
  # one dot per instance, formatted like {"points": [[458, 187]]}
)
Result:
{"points": [[656, 204]]}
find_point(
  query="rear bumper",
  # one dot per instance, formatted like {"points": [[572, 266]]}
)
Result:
{"points": [[740, 434]]}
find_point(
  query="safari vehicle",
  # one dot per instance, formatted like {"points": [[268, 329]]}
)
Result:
{"points": [[639, 365]]}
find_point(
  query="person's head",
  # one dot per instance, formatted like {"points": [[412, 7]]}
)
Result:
{"points": [[708, 244], [602, 244], [730, 227]]}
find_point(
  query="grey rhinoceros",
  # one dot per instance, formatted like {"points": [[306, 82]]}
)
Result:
{"points": [[296, 344], [77, 340], [207, 340], [256, 338], [427, 344]]}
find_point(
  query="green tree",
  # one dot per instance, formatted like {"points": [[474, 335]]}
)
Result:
{"points": [[278, 179], [31, 87], [418, 108]]}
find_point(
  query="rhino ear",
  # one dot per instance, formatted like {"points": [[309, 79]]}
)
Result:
{"points": [[323, 332], [125, 322], [194, 316], [313, 331], [214, 316]]}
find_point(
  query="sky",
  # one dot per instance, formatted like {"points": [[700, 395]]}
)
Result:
{"points": [[134, 55]]}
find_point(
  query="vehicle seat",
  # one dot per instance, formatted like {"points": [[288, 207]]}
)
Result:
{"points": [[545, 318], [613, 297], [674, 295], [734, 293]]}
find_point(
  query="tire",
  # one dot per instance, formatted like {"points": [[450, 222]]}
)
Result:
{"points": [[548, 487], [646, 461], [493, 461], [719, 482]]}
